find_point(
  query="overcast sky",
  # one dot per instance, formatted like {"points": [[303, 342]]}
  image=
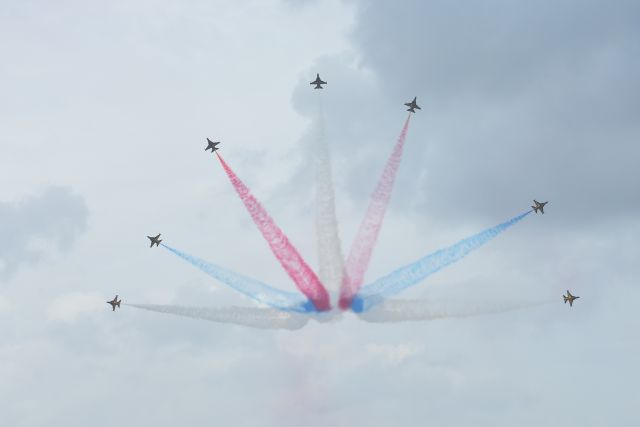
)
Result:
{"points": [[104, 111]]}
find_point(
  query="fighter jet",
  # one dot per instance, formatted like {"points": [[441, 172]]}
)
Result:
{"points": [[318, 82], [154, 240], [538, 206], [569, 298], [212, 146], [412, 105], [115, 303]]}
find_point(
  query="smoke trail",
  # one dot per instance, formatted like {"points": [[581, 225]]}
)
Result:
{"points": [[330, 261], [253, 288], [360, 255], [416, 310], [302, 275], [417, 271], [253, 317]]}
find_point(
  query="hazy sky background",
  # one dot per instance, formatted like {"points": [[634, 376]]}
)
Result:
{"points": [[104, 110]]}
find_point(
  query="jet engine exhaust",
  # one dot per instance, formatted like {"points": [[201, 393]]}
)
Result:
{"points": [[390, 311], [293, 263], [253, 317], [330, 259], [364, 242], [411, 274], [254, 289]]}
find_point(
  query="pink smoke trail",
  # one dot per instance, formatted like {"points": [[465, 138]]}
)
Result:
{"points": [[360, 255], [301, 274]]}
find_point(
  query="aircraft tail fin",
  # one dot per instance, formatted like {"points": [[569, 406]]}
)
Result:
{"points": [[565, 299], [118, 303]]}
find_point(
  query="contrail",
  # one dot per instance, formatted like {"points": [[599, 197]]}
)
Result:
{"points": [[330, 260], [302, 275], [252, 288], [362, 248], [253, 317], [417, 271], [415, 310]]}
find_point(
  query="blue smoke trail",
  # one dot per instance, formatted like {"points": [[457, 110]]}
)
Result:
{"points": [[261, 292], [417, 271]]}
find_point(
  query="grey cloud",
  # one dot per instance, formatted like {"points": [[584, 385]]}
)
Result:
{"points": [[520, 100], [57, 216]]}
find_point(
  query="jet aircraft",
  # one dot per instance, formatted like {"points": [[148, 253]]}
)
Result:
{"points": [[212, 145], [538, 206], [318, 82], [412, 105], [569, 298], [155, 240], [115, 303]]}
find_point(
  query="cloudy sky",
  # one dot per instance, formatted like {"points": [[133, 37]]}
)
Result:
{"points": [[104, 108]]}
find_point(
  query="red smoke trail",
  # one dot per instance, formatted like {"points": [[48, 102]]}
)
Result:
{"points": [[360, 255], [301, 274]]}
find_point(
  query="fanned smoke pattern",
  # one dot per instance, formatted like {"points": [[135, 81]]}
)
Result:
{"points": [[330, 260], [364, 242], [301, 274], [417, 271], [253, 317], [252, 288], [390, 311]]}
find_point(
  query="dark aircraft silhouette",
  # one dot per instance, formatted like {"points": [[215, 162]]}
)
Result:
{"points": [[212, 145], [155, 240], [412, 105], [569, 298], [115, 303], [318, 82], [539, 206]]}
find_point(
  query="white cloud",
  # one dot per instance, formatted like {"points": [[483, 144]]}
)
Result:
{"points": [[31, 227], [5, 305], [395, 355], [71, 307]]}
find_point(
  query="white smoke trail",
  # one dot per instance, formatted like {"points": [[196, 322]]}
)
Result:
{"points": [[415, 310], [253, 317], [330, 258]]}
